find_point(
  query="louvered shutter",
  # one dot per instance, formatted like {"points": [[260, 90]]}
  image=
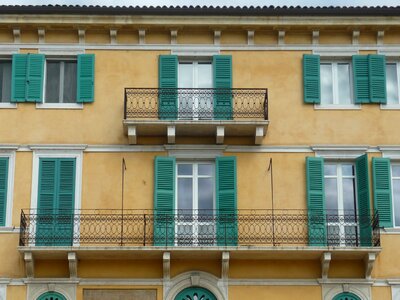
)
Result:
{"points": [[227, 222], [3, 189], [18, 84], [364, 217], [85, 78], [316, 201], [222, 70], [377, 78], [311, 79], [35, 74], [382, 190], [168, 84], [164, 201], [361, 79]]}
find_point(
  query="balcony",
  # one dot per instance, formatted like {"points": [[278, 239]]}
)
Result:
{"points": [[196, 113]]}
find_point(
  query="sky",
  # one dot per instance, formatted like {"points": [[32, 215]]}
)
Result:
{"points": [[208, 2]]}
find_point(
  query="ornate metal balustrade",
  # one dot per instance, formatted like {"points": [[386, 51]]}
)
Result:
{"points": [[196, 104], [198, 229]]}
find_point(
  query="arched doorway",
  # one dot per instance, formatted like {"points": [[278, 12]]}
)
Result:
{"points": [[346, 296], [195, 293], [52, 296]]}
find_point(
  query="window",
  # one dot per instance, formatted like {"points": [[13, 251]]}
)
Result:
{"points": [[336, 84], [393, 83], [195, 202], [61, 81], [5, 81], [395, 171], [340, 195]]}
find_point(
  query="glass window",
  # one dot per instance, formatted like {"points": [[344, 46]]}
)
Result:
{"points": [[61, 79], [396, 193], [5, 81], [336, 83], [392, 83]]}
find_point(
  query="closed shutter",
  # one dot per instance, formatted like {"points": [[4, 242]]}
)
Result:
{"points": [[168, 84], [311, 79], [222, 70], [3, 189], [164, 196], [227, 223], [18, 84], [382, 190], [364, 218], [35, 73], [377, 78], [85, 78], [316, 201], [361, 79]]}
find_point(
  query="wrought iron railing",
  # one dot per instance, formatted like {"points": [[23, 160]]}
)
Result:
{"points": [[199, 228], [195, 104]]}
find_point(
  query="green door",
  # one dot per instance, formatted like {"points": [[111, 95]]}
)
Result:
{"points": [[51, 296], [195, 293], [346, 296]]}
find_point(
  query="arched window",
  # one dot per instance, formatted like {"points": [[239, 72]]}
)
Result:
{"points": [[346, 296], [52, 296], [195, 293]]}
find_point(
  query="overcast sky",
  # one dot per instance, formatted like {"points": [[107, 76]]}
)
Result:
{"points": [[209, 2]]}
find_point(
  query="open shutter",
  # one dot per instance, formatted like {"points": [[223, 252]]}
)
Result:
{"points": [[361, 79], [316, 201], [35, 73], [222, 70], [382, 190], [3, 189], [364, 217], [311, 78], [85, 78], [377, 78], [168, 84], [18, 85], [227, 226], [164, 195]]}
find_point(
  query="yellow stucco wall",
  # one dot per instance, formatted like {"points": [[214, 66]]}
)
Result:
{"points": [[12, 264], [16, 292], [80, 289], [275, 292]]}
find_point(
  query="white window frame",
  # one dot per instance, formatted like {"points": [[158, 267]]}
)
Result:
{"points": [[392, 178], [3, 292], [78, 155], [59, 105], [8, 105], [195, 176], [10, 188], [395, 106]]}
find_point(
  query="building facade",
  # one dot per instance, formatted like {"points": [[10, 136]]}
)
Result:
{"points": [[199, 153]]}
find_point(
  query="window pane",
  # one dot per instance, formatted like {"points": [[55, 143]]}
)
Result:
{"points": [[52, 82], [204, 75], [185, 188], [348, 170], [396, 202], [331, 195], [70, 76], [396, 170], [5, 81], [391, 84], [206, 169], [343, 74], [185, 74], [329, 170], [206, 194], [185, 169], [326, 84], [349, 194]]}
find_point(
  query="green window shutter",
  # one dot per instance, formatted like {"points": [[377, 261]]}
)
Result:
{"points": [[382, 190], [364, 218], [85, 78], [18, 81], [227, 225], [168, 83], [35, 74], [316, 201], [377, 78], [311, 79], [222, 70], [164, 201], [3, 189], [361, 79]]}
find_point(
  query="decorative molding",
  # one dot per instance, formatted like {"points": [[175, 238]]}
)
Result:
{"points": [[29, 264], [120, 281], [6, 105], [337, 107], [339, 152], [225, 266], [281, 37], [81, 36], [174, 37], [17, 35], [73, 265], [195, 51], [71, 51], [59, 105], [329, 291], [142, 36], [355, 37], [315, 37], [3, 290], [57, 147], [35, 290], [336, 51], [369, 264], [392, 152], [250, 37], [325, 263], [113, 36], [220, 134], [41, 35], [193, 153], [217, 37], [171, 133], [379, 37], [166, 272]]}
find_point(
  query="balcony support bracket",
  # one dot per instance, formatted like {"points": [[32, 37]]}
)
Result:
{"points": [[225, 266], [29, 264], [325, 263], [369, 264], [171, 134], [132, 135], [73, 265], [220, 135], [260, 133]]}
